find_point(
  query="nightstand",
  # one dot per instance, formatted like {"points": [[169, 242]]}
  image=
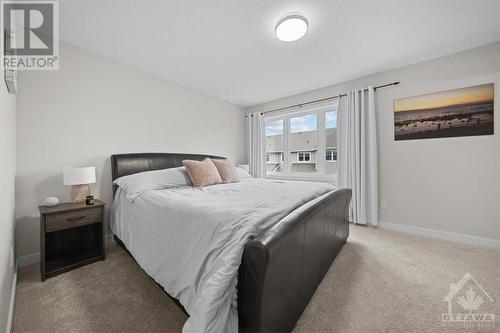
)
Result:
{"points": [[71, 235]]}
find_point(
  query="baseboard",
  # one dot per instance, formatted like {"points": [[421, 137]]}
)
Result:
{"points": [[11, 306], [444, 235], [30, 259], [34, 258]]}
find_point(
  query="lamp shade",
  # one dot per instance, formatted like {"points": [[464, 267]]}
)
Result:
{"points": [[79, 176], [245, 167]]}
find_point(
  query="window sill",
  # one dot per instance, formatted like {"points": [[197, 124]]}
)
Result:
{"points": [[304, 177]]}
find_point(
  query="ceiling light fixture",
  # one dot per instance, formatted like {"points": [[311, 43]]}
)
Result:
{"points": [[291, 27]]}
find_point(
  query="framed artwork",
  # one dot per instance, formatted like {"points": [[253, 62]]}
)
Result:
{"points": [[459, 112]]}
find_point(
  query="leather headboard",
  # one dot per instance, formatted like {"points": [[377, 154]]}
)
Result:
{"points": [[128, 164]]}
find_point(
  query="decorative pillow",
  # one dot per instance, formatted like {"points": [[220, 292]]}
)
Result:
{"points": [[202, 173], [227, 171]]}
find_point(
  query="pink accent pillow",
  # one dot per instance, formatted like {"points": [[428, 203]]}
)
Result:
{"points": [[202, 173], [227, 171]]}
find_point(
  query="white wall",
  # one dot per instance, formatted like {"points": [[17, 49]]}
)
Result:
{"points": [[94, 107], [450, 184], [7, 172]]}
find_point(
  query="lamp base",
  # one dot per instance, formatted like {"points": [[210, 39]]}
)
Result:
{"points": [[79, 193]]}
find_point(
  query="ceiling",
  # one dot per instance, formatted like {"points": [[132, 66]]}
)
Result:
{"points": [[227, 48]]}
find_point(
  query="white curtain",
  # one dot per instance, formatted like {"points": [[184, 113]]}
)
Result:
{"points": [[255, 144], [357, 153]]}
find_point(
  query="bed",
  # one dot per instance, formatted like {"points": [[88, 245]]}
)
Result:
{"points": [[292, 243]]}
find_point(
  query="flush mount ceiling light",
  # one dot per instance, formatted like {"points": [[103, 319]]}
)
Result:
{"points": [[291, 27]]}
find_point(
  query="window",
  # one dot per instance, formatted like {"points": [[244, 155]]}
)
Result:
{"points": [[274, 147], [331, 142], [303, 157], [331, 154], [302, 143]]}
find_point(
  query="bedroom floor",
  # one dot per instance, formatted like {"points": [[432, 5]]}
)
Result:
{"points": [[382, 281]]}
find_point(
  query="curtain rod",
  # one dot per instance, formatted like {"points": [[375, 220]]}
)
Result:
{"points": [[326, 98]]}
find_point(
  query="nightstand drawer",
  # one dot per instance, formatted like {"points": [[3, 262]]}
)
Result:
{"points": [[74, 218]]}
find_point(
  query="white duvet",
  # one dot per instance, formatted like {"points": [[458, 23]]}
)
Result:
{"points": [[191, 240]]}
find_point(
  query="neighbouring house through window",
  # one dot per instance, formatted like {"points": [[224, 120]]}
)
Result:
{"points": [[302, 143]]}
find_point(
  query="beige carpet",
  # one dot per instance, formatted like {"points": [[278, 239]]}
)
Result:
{"points": [[381, 282]]}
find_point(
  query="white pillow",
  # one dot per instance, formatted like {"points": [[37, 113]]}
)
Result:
{"points": [[138, 183], [242, 173]]}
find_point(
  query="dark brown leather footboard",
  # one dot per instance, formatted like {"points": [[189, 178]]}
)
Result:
{"points": [[282, 268]]}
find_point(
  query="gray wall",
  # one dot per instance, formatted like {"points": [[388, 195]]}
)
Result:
{"points": [[7, 172], [94, 107], [449, 184]]}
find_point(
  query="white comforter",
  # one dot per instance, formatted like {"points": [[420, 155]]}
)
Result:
{"points": [[191, 240]]}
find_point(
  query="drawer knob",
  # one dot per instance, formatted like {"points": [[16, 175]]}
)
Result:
{"points": [[71, 219]]}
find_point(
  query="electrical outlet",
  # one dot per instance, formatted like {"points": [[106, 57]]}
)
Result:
{"points": [[383, 204], [11, 257]]}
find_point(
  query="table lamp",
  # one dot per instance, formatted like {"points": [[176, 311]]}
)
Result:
{"points": [[245, 167], [79, 178]]}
